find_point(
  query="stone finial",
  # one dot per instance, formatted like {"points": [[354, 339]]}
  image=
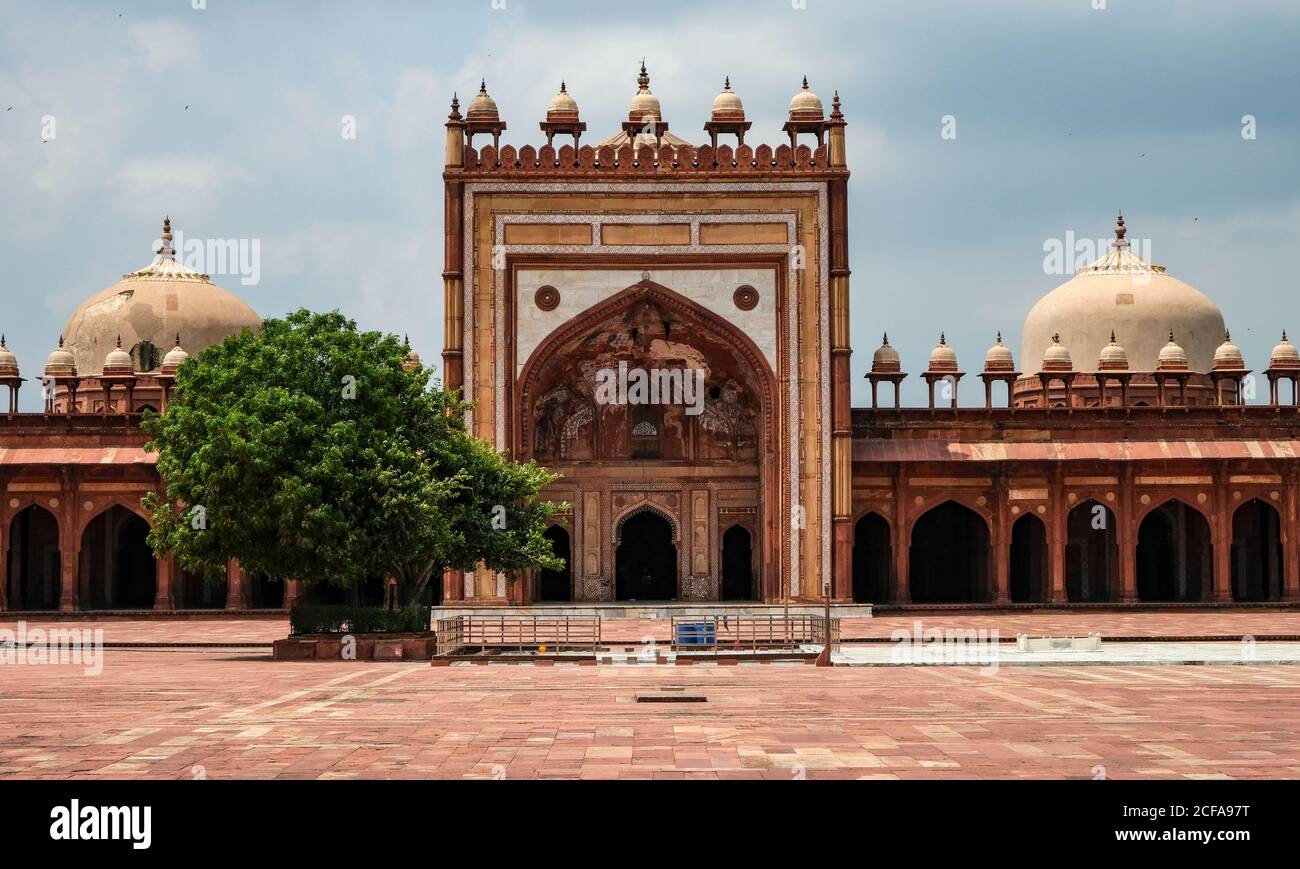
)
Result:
{"points": [[166, 248]]}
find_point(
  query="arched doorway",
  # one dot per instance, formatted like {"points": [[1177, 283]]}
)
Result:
{"points": [[872, 557], [949, 556], [117, 567], [556, 585], [1174, 558], [1028, 559], [1256, 552], [649, 384], [1091, 553], [34, 561], [645, 565], [737, 564]]}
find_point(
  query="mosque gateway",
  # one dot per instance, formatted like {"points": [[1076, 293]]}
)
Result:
{"points": [[662, 318]]}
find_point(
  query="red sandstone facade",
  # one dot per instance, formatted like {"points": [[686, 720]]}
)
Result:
{"points": [[1100, 485]]}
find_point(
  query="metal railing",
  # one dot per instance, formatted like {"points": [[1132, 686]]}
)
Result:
{"points": [[517, 632], [756, 632]]}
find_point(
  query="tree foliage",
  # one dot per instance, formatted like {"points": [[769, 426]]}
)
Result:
{"points": [[307, 451]]}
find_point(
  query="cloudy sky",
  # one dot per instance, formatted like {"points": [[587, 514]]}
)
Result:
{"points": [[229, 118]]}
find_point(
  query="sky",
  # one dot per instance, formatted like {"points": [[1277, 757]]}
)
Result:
{"points": [[231, 118]]}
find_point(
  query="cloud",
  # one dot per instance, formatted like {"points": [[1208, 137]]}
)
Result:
{"points": [[163, 43]]}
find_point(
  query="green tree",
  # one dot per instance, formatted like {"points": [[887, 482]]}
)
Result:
{"points": [[307, 450]]}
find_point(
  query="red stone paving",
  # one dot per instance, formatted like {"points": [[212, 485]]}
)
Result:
{"points": [[231, 713], [1107, 623]]}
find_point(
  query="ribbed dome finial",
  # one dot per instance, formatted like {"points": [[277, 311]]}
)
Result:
{"points": [[166, 250], [1121, 231], [643, 80]]}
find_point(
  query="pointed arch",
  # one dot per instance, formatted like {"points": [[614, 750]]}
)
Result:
{"points": [[642, 507], [1175, 559], [1256, 556], [1028, 563], [528, 383], [873, 558], [949, 557], [33, 559], [1091, 553]]}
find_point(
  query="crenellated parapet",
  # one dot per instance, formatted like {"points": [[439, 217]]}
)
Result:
{"points": [[624, 160]]}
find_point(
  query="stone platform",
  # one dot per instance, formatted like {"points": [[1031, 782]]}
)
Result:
{"points": [[654, 610]]}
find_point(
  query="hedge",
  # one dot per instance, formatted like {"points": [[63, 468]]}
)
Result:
{"points": [[412, 619]]}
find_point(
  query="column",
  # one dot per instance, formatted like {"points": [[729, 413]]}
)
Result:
{"points": [[1056, 526], [4, 560], [1001, 541], [841, 403], [166, 572], [70, 563], [899, 531], [235, 595], [1126, 537], [292, 588], [1221, 542]]}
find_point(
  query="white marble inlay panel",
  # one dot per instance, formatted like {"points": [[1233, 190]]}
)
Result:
{"points": [[580, 289]]}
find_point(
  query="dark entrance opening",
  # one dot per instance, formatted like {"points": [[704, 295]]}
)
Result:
{"points": [[1028, 565], [265, 592], [556, 585], [737, 565], [1174, 562], [645, 566], [1091, 553], [949, 556], [872, 556], [117, 567], [197, 593], [34, 561], [1256, 553]]}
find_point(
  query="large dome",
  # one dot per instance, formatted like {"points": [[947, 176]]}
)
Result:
{"points": [[149, 308], [1133, 298]]}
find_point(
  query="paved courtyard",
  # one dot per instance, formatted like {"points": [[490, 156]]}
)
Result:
{"points": [[220, 713]]}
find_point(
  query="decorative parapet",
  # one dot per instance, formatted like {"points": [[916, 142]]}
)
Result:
{"points": [[625, 160]]}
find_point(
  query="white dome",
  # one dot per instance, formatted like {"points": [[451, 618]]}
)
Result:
{"points": [[806, 105], [885, 358], [174, 358], [562, 103], [482, 107], [1228, 357], [1133, 298], [8, 361], [727, 103], [1057, 356], [943, 357], [118, 361], [61, 363], [999, 357], [1172, 356], [1284, 353], [1113, 357]]}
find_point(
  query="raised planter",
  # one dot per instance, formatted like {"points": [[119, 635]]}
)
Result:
{"points": [[364, 647]]}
